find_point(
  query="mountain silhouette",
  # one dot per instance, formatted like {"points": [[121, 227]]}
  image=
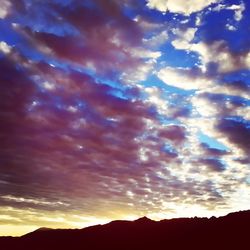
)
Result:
{"points": [[227, 232]]}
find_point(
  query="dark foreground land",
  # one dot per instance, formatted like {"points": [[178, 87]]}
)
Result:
{"points": [[228, 232]]}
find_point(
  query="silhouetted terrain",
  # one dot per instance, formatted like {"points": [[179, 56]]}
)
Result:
{"points": [[228, 232]]}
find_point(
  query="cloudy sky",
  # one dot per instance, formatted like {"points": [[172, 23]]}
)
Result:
{"points": [[116, 109]]}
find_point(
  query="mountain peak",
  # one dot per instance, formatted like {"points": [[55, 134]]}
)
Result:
{"points": [[143, 219], [42, 229]]}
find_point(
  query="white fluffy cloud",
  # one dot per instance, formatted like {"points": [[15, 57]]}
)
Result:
{"points": [[219, 53], [135, 75], [227, 89], [238, 10], [157, 40], [4, 9], [184, 38], [184, 78], [4, 47], [185, 7], [208, 108]]}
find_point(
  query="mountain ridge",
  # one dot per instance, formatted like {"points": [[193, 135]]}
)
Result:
{"points": [[140, 219], [197, 233]]}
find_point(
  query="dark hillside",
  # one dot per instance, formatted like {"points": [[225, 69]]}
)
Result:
{"points": [[228, 232]]}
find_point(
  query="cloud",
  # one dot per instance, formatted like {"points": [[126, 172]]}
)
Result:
{"points": [[4, 47], [5, 8], [231, 27], [75, 133], [167, 106], [84, 27], [212, 163], [237, 132], [212, 152], [228, 116], [184, 78], [121, 54], [238, 9], [173, 133], [157, 40], [31, 203], [216, 56], [43, 124], [219, 53], [237, 89], [82, 130], [179, 6], [210, 104], [184, 38], [148, 24]]}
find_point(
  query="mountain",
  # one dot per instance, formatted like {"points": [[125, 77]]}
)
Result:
{"points": [[227, 232]]}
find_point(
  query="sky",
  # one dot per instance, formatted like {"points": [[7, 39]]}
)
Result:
{"points": [[118, 109]]}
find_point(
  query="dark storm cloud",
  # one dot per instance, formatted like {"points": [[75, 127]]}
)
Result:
{"points": [[173, 133], [237, 130], [245, 161], [231, 122], [64, 133], [76, 138], [14, 96], [92, 132], [212, 163], [97, 35], [181, 112]]}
